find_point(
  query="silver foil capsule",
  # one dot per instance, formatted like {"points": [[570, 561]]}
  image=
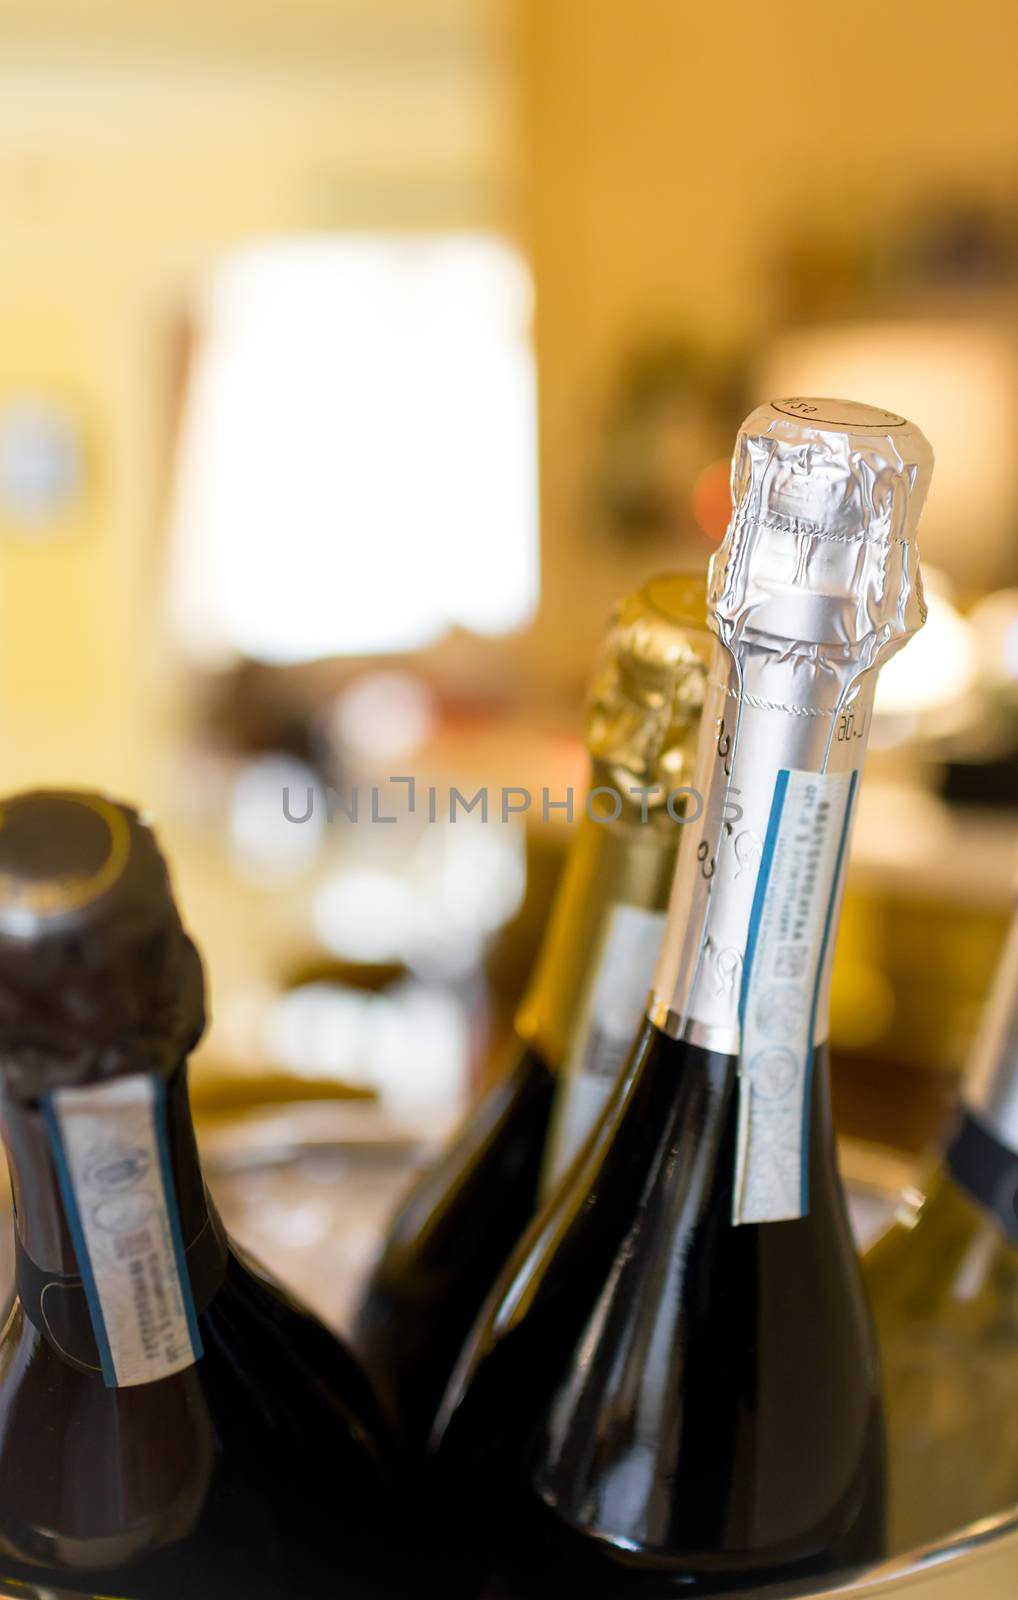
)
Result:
{"points": [[815, 586], [820, 556]]}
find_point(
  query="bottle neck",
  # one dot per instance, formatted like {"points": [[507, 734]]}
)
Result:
{"points": [[763, 837], [625, 859], [118, 1248], [40, 1214], [745, 963]]}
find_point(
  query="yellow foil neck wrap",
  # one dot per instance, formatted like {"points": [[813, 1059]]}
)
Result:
{"points": [[647, 692]]}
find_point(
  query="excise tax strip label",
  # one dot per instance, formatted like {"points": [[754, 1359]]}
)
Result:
{"points": [[110, 1149], [786, 956]]}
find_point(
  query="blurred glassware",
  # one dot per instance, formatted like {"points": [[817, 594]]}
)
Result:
{"points": [[275, 828], [363, 913], [455, 885], [380, 716], [409, 1044]]}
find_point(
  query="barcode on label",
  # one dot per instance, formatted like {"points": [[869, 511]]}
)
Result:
{"points": [[132, 1244], [786, 952], [790, 961], [109, 1147]]}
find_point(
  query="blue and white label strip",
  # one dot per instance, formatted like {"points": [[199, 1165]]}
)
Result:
{"points": [[785, 966], [110, 1149]]}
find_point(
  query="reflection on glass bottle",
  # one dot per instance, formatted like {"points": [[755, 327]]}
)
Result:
{"points": [[944, 1286], [171, 1423]]}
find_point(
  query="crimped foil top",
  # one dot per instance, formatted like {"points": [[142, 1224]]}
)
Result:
{"points": [[98, 979], [820, 556], [647, 692]]}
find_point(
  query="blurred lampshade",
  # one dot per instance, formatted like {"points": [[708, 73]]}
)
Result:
{"points": [[357, 471], [958, 380]]}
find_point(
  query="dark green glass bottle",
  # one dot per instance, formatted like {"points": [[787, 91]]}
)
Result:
{"points": [[944, 1286], [674, 1388], [171, 1422]]}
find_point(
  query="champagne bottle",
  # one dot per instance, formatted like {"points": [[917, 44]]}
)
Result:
{"points": [[170, 1422], [944, 1285], [454, 1230], [674, 1387]]}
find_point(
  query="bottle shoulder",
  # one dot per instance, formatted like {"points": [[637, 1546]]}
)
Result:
{"points": [[638, 1336], [264, 1348], [448, 1241], [668, 1130], [261, 1349], [221, 1462], [496, 1149]]}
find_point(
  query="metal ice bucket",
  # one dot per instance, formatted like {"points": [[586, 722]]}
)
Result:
{"points": [[979, 1563]]}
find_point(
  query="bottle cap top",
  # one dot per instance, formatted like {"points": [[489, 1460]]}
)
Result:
{"points": [[647, 693], [820, 553], [97, 976]]}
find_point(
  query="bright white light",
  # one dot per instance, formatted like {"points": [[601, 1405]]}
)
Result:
{"points": [[936, 669], [466, 879], [422, 1046], [358, 462], [476, 871], [957, 380], [266, 847], [321, 1030], [383, 716], [994, 620], [364, 915], [410, 1045]]}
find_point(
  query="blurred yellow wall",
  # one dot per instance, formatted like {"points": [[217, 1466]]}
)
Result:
{"points": [[670, 145], [136, 146], [665, 147]]}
